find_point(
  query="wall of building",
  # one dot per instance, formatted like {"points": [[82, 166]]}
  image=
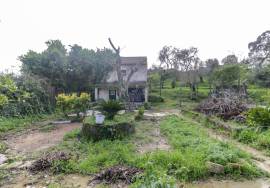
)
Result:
{"points": [[103, 94]]}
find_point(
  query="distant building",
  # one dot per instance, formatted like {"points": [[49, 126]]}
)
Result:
{"points": [[138, 91]]}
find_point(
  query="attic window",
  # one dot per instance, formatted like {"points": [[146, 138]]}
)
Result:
{"points": [[124, 72]]}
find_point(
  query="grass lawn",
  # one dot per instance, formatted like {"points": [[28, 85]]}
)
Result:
{"points": [[17, 123]]}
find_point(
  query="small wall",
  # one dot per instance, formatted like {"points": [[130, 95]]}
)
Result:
{"points": [[99, 132]]}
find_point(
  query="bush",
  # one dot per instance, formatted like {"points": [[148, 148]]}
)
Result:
{"points": [[155, 98], [67, 103], [259, 117], [110, 108], [247, 136], [3, 100], [63, 102], [140, 113], [147, 105], [264, 140], [20, 97], [173, 84]]}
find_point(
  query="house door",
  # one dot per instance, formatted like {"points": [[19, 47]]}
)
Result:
{"points": [[112, 94], [136, 94]]}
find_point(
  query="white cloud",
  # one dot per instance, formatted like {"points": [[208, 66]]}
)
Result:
{"points": [[140, 27]]}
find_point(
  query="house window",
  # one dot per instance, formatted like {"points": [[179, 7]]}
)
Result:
{"points": [[124, 72], [112, 94]]}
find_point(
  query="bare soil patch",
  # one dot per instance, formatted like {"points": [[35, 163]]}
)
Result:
{"points": [[36, 140]]}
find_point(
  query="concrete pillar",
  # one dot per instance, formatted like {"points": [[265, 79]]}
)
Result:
{"points": [[96, 94], [146, 94]]}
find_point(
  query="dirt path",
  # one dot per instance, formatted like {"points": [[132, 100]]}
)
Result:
{"points": [[259, 158], [157, 141], [37, 140]]}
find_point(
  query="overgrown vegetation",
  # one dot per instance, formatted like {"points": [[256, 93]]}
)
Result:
{"points": [[192, 152]]}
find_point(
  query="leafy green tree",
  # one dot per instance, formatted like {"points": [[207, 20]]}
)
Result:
{"points": [[228, 75], [262, 76], [259, 50], [75, 70], [211, 65], [50, 64], [230, 59]]}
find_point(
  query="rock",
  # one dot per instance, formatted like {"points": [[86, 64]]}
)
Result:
{"points": [[3, 159], [234, 165], [89, 113], [121, 112], [215, 168]]}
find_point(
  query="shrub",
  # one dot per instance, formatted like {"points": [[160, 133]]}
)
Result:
{"points": [[140, 113], [264, 140], [22, 97], [173, 84], [67, 103], [247, 136], [3, 100], [259, 117], [155, 98], [110, 108], [63, 102], [147, 105], [81, 103]]}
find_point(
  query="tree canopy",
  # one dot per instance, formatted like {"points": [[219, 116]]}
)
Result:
{"points": [[259, 50], [75, 70]]}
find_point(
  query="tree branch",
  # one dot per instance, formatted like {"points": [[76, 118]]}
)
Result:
{"points": [[117, 50]]}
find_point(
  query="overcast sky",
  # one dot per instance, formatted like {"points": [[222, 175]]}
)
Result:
{"points": [[139, 27]]}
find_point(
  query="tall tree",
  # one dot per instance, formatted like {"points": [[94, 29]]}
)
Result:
{"points": [[75, 70], [188, 61], [164, 57], [259, 50], [230, 59], [123, 83], [50, 64], [211, 65]]}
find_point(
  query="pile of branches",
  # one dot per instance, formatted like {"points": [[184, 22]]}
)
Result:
{"points": [[116, 174], [226, 105], [46, 162]]}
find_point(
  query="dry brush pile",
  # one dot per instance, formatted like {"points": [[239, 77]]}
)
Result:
{"points": [[47, 161], [116, 174], [227, 105]]}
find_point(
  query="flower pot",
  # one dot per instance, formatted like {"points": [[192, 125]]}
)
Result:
{"points": [[99, 118]]}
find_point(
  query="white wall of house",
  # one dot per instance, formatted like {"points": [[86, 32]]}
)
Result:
{"points": [[146, 94], [103, 94]]}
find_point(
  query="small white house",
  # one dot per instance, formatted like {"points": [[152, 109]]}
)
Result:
{"points": [[138, 91]]}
